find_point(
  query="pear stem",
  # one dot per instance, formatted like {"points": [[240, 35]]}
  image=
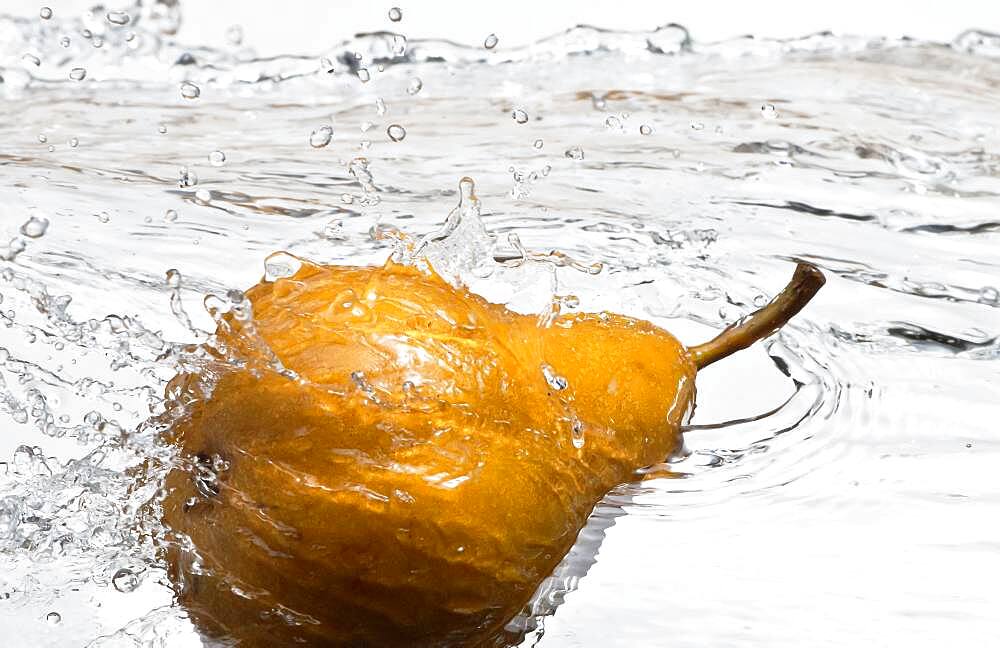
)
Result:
{"points": [[805, 283]]}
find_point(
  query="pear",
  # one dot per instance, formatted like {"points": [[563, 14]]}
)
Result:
{"points": [[408, 461]]}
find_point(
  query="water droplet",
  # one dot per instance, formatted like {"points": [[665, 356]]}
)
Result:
{"points": [[396, 132], [52, 618], [162, 128], [538, 143], [188, 178], [321, 136], [768, 111], [78, 74], [380, 106], [125, 580], [45, 13], [575, 153], [190, 90], [364, 75], [73, 142], [398, 48], [118, 18], [31, 59], [170, 216], [216, 158], [35, 227], [578, 439], [174, 278], [64, 41], [334, 231], [520, 116], [395, 15], [554, 380], [415, 86], [281, 265], [646, 129], [235, 35], [989, 295]]}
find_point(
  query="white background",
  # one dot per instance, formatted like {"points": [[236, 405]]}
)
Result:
{"points": [[309, 26]]}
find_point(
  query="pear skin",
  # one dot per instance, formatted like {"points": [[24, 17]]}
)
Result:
{"points": [[423, 460]]}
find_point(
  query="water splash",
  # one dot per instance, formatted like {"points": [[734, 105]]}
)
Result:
{"points": [[874, 158]]}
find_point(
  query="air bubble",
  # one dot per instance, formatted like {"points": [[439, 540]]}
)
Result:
{"points": [[989, 295], [78, 74], [768, 111], [538, 143], [53, 618], [613, 123], [415, 86], [396, 132], [575, 153], [190, 90], [321, 136], [170, 216], [203, 196], [364, 75], [31, 59], [34, 227], [42, 138], [520, 116], [73, 142], [646, 129], [491, 41], [380, 108], [216, 158], [395, 15], [45, 13], [64, 41], [162, 129]]}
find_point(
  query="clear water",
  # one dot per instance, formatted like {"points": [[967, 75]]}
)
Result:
{"points": [[840, 480]]}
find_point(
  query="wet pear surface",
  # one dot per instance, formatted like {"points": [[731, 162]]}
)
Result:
{"points": [[430, 461]]}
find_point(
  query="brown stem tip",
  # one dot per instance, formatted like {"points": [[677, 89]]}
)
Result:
{"points": [[805, 283]]}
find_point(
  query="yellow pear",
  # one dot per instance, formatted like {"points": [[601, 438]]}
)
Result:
{"points": [[409, 461]]}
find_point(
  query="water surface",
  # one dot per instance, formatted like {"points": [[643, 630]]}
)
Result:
{"points": [[839, 481]]}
